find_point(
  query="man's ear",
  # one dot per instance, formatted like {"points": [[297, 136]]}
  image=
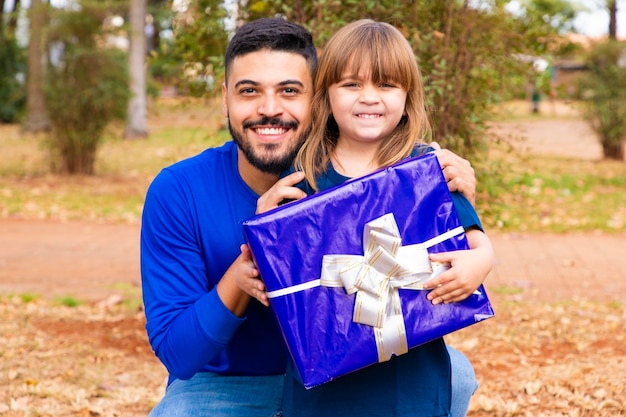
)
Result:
{"points": [[224, 101]]}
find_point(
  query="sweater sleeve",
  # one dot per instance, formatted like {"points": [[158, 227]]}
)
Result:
{"points": [[187, 323]]}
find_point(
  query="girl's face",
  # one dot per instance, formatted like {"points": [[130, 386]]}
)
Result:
{"points": [[366, 111]]}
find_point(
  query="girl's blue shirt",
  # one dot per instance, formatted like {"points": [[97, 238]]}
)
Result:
{"points": [[416, 383]]}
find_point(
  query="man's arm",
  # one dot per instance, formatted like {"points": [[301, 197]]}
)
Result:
{"points": [[188, 323], [458, 172]]}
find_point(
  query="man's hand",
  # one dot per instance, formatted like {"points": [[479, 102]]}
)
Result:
{"points": [[239, 283], [283, 189], [247, 276], [458, 172]]}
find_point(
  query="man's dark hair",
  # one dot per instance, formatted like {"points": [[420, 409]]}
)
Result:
{"points": [[274, 34]]}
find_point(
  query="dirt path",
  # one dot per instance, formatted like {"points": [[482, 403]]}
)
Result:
{"points": [[571, 139], [80, 259], [91, 261]]}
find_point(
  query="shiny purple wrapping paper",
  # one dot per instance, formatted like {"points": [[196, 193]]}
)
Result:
{"points": [[288, 245]]}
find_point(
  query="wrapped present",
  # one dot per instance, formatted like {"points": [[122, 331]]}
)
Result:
{"points": [[344, 269]]}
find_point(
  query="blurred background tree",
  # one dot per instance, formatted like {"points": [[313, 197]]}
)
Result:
{"points": [[137, 122], [190, 58], [605, 86], [36, 113], [86, 83], [12, 66]]}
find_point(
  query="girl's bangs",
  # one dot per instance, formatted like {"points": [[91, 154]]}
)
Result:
{"points": [[383, 63]]}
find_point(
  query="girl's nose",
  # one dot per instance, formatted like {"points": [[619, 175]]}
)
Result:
{"points": [[369, 93]]}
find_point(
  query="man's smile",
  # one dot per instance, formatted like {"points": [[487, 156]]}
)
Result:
{"points": [[270, 130]]}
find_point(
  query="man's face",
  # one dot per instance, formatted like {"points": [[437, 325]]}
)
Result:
{"points": [[268, 104]]}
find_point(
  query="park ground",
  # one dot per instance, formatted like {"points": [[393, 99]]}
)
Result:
{"points": [[556, 347]]}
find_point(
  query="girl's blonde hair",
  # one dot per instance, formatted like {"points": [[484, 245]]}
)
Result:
{"points": [[387, 53]]}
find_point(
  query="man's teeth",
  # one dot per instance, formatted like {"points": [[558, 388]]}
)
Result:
{"points": [[271, 130]]}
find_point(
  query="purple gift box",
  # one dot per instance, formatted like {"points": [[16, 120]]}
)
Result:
{"points": [[344, 268]]}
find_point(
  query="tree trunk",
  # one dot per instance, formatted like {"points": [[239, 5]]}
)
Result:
{"points": [[2, 21], [614, 150], [13, 19], [36, 114], [137, 106], [612, 19]]}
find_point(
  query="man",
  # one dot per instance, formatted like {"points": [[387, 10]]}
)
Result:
{"points": [[224, 353]]}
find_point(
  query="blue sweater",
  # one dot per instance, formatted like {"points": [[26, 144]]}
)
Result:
{"points": [[191, 232]]}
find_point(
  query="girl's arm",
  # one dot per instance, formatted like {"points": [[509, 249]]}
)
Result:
{"points": [[468, 269]]}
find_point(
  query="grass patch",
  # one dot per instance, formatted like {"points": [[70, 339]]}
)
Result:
{"points": [[29, 297], [67, 301], [521, 110], [559, 195], [506, 290], [547, 194]]}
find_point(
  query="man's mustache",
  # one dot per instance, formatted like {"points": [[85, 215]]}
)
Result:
{"points": [[271, 121]]}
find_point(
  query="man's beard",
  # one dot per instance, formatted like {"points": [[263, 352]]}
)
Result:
{"points": [[274, 163]]}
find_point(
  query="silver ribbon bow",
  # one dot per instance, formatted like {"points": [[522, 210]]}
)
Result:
{"points": [[376, 276]]}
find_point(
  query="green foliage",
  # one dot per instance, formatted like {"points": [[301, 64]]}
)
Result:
{"points": [[606, 85], [12, 91], [68, 301], [29, 297], [546, 16], [85, 91], [193, 60], [463, 53], [467, 55]]}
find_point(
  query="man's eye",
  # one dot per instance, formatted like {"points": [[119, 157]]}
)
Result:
{"points": [[247, 91], [290, 91]]}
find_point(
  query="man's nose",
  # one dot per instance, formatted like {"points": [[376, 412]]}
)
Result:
{"points": [[270, 106]]}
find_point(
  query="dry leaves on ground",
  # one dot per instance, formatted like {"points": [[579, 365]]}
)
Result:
{"points": [[548, 360], [531, 360], [75, 362]]}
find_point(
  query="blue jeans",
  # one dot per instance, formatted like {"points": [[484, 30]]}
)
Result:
{"points": [[464, 382], [211, 395], [208, 394]]}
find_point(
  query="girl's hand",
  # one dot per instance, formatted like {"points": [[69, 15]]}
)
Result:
{"points": [[468, 270], [283, 190]]}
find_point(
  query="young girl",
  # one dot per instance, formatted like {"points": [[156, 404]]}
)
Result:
{"points": [[368, 112]]}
